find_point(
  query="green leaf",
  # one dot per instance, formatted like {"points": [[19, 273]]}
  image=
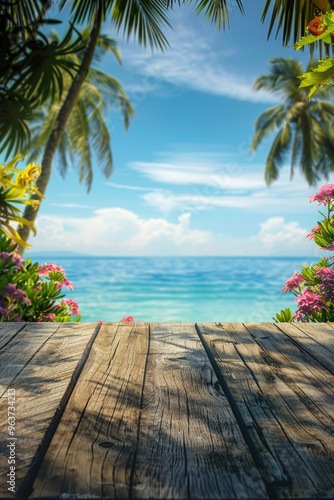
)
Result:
{"points": [[318, 76], [284, 316], [325, 37]]}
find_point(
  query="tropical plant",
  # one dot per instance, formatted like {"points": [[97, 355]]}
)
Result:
{"points": [[29, 62], [321, 28], [31, 68], [15, 188], [303, 127], [86, 132], [141, 18], [30, 292], [290, 17], [313, 287]]}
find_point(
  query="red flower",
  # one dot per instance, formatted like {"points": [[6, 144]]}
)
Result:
{"points": [[315, 27]]}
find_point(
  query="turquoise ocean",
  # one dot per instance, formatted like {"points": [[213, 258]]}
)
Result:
{"points": [[194, 289]]}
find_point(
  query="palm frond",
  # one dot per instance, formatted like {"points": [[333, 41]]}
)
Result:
{"points": [[100, 138], [14, 129], [283, 79], [295, 152], [267, 123], [214, 10], [217, 12], [276, 156], [143, 19], [292, 16]]}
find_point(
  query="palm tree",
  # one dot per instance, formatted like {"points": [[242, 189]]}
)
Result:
{"points": [[303, 126], [86, 133], [144, 19]]}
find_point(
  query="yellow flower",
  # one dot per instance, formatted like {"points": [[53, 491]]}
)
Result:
{"points": [[35, 204], [28, 176]]}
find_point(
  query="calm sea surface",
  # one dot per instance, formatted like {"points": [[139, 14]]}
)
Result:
{"points": [[179, 288]]}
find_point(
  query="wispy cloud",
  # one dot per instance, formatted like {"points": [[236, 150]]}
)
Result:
{"points": [[211, 182], [71, 205], [192, 61], [126, 186], [194, 170]]}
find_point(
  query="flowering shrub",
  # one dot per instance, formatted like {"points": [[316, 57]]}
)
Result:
{"points": [[30, 292], [314, 285]]}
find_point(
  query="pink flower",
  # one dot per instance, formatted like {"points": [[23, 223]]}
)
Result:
{"points": [[65, 282], [48, 317], [127, 319], [300, 317], [330, 247], [72, 306], [325, 195], [326, 274], [313, 232], [100, 322], [294, 282], [309, 302], [44, 270]]}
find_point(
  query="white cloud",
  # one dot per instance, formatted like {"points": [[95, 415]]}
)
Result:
{"points": [[70, 205], [275, 231], [211, 182], [203, 168], [116, 231], [126, 186], [270, 201], [191, 62]]}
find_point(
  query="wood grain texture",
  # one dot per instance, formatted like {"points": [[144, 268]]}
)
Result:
{"points": [[190, 445], [38, 363], [8, 332], [92, 452], [315, 338], [285, 398]]}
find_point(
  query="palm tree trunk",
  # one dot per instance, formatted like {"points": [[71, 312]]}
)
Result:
{"points": [[60, 124]]}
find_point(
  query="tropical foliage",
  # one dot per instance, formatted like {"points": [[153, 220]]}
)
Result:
{"points": [[30, 292], [304, 128], [15, 188], [31, 69], [290, 17], [321, 28], [86, 134], [313, 287]]}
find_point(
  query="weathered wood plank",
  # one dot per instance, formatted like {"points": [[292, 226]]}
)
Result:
{"points": [[37, 363], [19, 348], [190, 445], [8, 332], [285, 398], [316, 338], [93, 449]]}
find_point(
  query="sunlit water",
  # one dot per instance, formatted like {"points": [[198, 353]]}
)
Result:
{"points": [[179, 288]]}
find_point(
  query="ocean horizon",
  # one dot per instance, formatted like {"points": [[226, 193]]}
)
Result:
{"points": [[192, 289]]}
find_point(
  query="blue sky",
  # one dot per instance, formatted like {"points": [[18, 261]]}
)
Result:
{"points": [[184, 181]]}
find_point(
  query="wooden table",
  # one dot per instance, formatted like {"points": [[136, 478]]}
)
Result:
{"points": [[167, 410]]}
